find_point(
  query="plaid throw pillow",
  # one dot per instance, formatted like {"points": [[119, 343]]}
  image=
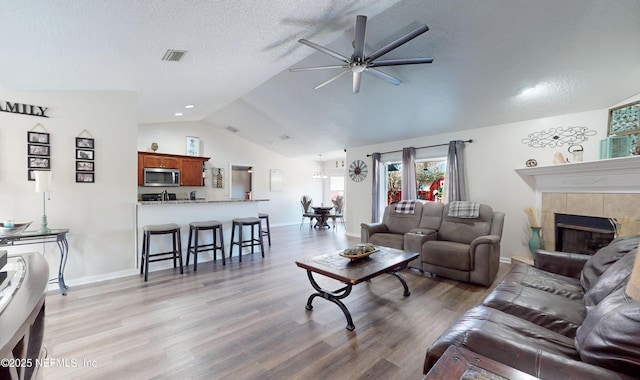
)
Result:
{"points": [[406, 207], [464, 209]]}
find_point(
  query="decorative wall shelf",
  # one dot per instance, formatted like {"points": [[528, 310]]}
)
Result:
{"points": [[614, 175]]}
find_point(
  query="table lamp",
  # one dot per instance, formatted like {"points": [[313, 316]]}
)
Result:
{"points": [[633, 286], [43, 185]]}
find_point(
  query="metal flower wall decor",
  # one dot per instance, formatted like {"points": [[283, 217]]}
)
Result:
{"points": [[558, 137]]}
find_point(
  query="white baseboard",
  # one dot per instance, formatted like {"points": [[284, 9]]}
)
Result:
{"points": [[92, 279]]}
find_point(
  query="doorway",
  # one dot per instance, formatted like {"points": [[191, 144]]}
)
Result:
{"points": [[241, 181]]}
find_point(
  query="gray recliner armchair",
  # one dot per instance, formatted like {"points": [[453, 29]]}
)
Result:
{"points": [[390, 232], [466, 249]]}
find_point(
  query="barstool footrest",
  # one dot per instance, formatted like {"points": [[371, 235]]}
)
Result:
{"points": [[161, 258]]}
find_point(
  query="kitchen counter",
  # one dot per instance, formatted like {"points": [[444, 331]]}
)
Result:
{"points": [[183, 212], [202, 200]]}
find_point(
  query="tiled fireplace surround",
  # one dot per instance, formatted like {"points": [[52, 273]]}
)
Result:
{"points": [[605, 188], [606, 205]]}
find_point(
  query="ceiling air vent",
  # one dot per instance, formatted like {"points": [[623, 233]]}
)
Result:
{"points": [[173, 55]]}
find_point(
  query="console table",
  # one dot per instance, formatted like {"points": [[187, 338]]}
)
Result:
{"points": [[58, 236]]}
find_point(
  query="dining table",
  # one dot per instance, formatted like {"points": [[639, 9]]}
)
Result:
{"points": [[321, 213]]}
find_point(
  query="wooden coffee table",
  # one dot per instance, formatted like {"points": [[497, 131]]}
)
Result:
{"points": [[352, 272]]}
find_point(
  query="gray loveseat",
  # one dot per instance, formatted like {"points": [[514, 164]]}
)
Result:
{"points": [[460, 248]]}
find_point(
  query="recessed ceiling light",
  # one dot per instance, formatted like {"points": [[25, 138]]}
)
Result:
{"points": [[178, 114], [189, 106]]}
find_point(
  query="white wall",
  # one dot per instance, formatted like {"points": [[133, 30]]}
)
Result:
{"points": [[490, 161], [225, 148], [100, 215]]}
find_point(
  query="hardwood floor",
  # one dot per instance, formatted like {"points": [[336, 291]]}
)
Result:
{"points": [[248, 321]]}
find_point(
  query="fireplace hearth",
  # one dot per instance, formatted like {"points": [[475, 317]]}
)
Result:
{"points": [[582, 234]]}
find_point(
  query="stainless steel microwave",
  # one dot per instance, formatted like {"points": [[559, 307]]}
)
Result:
{"points": [[161, 177]]}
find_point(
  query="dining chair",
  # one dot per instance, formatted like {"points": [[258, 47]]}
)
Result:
{"points": [[307, 211], [338, 207]]}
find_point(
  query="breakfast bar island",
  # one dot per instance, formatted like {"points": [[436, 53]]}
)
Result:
{"points": [[183, 212]]}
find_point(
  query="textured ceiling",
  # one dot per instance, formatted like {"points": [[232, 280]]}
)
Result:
{"points": [[582, 54]]}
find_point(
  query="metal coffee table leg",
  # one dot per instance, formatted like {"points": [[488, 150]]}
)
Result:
{"points": [[333, 296], [395, 274]]}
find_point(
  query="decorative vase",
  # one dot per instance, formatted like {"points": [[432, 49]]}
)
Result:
{"points": [[536, 241]]}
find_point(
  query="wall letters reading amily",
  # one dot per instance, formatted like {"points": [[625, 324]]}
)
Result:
{"points": [[24, 109]]}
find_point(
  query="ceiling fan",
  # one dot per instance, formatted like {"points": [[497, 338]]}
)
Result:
{"points": [[359, 63]]}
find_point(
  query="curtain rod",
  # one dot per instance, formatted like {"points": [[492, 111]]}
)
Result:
{"points": [[422, 147]]}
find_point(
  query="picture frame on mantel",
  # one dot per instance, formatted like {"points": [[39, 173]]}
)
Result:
{"points": [[624, 119]]}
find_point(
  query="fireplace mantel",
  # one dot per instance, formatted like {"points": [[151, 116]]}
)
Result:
{"points": [[614, 175]]}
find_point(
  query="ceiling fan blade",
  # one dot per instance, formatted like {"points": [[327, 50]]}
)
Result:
{"points": [[400, 41], [358, 43], [402, 61], [343, 72], [318, 68], [383, 76], [356, 81], [325, 50]]}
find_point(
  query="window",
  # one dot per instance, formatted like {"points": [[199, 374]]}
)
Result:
{"points": [[429, 179], [337, 186], [394, 182]]}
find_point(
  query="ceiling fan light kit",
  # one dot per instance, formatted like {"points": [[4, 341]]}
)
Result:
{"points": [[359, 62]]}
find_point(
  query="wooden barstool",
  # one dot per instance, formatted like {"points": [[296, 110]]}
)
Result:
{"points": [[266, 231], [194, 228], [176, 253], [254, 224]]}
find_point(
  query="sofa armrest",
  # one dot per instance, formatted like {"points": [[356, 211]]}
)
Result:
{"points": [[368, 229], [484, 252], [486, 239], [563, 263]]}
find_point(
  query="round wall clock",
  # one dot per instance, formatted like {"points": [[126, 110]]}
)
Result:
{"points": [[358, 170]]}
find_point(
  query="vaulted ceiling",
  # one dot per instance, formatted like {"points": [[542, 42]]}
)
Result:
{"points": [[577, 55]]}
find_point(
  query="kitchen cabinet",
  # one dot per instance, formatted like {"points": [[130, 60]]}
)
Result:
{"points": [[191, 172], [156, 161], [190, 167], [140, 170]]}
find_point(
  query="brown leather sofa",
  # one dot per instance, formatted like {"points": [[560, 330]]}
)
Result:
{"points": [[567, 317], [463, 249]]}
